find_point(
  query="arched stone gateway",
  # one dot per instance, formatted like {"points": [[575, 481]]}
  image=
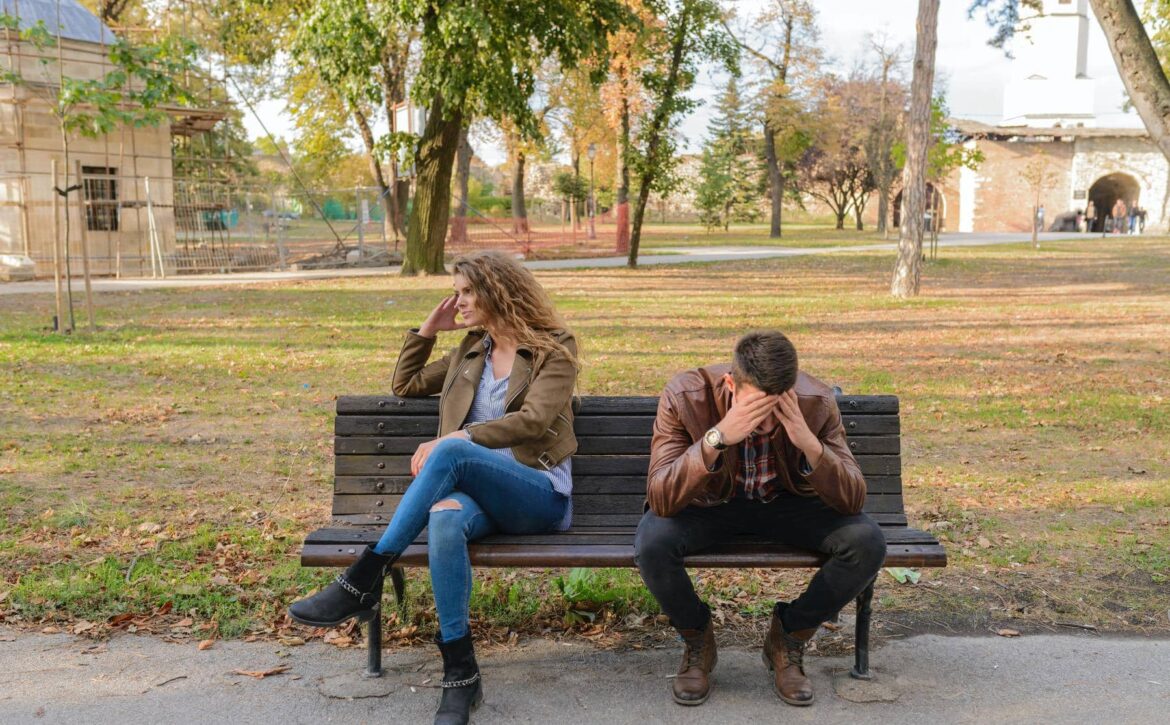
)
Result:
{"points": [[1105, 192]]}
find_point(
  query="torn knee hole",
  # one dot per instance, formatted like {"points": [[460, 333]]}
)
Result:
{"points": [[447, 504]]}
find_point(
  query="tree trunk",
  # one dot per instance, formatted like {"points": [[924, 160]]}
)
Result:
{"points": [[775, 180], [622, 200], [884, 172], [908, 269], [373, 157], [394, 60], [859, 199], [432, 197], [657, 127], [883, 208], [574, 216], [1146, 84], [462, 179], [841, 217], [519, 210], [639, 216]]}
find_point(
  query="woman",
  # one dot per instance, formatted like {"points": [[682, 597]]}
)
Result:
{"points": [[501, 461]]}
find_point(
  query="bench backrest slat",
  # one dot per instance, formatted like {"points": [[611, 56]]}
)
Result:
{"points": [[376, 435]]}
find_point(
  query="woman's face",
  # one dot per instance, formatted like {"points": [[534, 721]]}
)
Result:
{"points": [[465, 301]]}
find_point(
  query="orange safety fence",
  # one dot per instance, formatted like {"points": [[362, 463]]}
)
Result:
{"points": [[535, 239]]}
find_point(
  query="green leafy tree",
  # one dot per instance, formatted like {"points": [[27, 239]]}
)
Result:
{"points": [[833, 168], [479, 60], [693, 35], [349, 61], [571, 188], [729, 174], [781, 44]]}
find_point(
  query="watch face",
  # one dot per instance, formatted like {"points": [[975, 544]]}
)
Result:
{"points": [[714, 439]]}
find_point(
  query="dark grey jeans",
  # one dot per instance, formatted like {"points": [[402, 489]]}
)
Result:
{"points": [[855, 545]]}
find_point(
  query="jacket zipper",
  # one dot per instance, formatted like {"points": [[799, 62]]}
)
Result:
{"points": [[521, 389], [442, 395]]}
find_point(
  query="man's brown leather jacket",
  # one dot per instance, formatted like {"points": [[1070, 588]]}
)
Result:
{"points": [[695, 400], [538, 413]]}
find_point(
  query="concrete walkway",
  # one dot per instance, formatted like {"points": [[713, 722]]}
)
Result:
{"points": [[924, 679], [660, 255]]}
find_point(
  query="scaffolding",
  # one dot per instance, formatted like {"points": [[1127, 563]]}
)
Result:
{"points": [[125, 199]]}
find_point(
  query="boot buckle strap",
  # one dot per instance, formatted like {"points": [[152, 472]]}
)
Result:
{"points": [[352, 590], [447, 684]]}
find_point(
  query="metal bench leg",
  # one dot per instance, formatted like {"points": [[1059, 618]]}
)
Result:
{"points": [[374, 644], [860, 669], [399, 581]]}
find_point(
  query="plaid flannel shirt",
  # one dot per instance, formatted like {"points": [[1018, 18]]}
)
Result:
{"points": [[756, 478]]}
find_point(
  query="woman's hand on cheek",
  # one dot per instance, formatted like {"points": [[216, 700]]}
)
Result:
{"points": [[441, 319]]}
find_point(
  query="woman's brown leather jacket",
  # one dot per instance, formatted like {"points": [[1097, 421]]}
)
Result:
{"points": [[538, 413]]}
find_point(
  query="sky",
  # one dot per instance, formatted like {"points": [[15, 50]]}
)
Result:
{"points": [[973, 73]]}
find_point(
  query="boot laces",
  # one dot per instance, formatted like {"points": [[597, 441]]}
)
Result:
{"points": [[794, 651], [693, 656]]}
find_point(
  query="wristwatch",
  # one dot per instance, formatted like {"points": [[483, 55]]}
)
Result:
{"points": [[714, 438]]}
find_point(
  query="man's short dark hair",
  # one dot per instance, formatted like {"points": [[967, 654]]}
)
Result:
{"points": [[766, 360]]}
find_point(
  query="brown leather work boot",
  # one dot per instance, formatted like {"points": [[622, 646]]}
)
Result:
{"points": [[784, 656], [691, 684]]}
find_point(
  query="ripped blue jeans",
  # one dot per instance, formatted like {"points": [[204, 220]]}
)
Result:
{"points": [[487, 493]]}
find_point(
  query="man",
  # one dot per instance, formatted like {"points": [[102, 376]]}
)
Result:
{"points": [[753, 447]]}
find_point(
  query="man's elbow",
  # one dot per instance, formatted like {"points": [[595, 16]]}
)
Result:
{"points": [[662, 505], [853, 502]]}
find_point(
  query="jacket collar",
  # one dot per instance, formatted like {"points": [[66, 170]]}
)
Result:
{"points": [[480, 347]]}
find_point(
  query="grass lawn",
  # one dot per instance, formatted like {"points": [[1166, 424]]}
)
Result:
{"points": [[160, 473]]}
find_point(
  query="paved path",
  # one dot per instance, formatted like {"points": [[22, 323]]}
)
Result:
{"points": [[930, 679], [661, 255]]}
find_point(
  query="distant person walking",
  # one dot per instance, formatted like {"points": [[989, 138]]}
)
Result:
{"points": [[1090, 216], [1119, 214], [1040, 218], [1133, 218]]}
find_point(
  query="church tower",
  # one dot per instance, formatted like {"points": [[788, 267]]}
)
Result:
{"points": [[1048, 85]]}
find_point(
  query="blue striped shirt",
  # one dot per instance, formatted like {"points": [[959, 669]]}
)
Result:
{"points": [[489, 405]]}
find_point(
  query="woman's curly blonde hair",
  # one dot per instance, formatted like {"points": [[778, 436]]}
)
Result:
{"points": [[508, 294]]}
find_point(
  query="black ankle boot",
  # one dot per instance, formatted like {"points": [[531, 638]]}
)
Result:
{"points": [[356, 593], [462, 689]]}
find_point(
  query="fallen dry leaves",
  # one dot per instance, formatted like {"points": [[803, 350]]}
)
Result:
{"points": [[261, 674]]}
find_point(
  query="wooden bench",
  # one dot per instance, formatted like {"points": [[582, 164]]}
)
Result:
{"points": [[376, 436]]}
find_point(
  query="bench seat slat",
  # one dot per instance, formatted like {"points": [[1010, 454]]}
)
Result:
{"points": [[616, 504], [599, 425], [590, 405], [771, 556], [617, 535], [343, 485], [583, 520], [583, 465], [586, 446]]}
